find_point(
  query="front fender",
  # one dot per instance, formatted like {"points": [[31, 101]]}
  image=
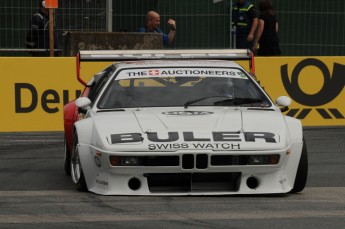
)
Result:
{"points": [[83, 129], [295, 128], [70, 115]]}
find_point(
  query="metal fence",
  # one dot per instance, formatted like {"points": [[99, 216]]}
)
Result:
{"points": [[72, 15], [305, 27], [311, 27]]}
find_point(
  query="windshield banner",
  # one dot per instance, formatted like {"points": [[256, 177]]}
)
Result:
{"points": [[181, 72]]}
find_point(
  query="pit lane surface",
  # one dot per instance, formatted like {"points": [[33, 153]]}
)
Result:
{"points": [[35, 193]]}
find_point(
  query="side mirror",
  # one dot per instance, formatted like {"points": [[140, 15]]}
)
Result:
{"points": [[83, 104], [284, 102]]}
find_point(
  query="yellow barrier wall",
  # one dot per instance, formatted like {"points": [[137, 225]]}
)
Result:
{"points": [[34, 90], [315, 84]]}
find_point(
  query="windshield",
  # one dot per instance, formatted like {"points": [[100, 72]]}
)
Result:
{"points": [[165, 87]]}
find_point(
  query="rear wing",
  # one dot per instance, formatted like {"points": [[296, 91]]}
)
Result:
{"points": [[134, 55]]}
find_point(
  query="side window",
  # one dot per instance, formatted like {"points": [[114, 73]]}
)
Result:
{"points": [[100, 80]]}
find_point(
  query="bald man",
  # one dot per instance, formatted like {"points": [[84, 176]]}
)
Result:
{"points": [[152, 26]]}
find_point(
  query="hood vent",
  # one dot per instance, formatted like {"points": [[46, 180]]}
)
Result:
{"points": [[259, 109], [112, 110]]}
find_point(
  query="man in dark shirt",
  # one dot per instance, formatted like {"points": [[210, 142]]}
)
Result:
{"points": [[37, 37], [244, 21]]}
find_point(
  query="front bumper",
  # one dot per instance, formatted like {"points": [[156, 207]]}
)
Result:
{"points": [[195, 173]]}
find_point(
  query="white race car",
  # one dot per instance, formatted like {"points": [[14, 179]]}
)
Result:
{"points": [[183, 123]]}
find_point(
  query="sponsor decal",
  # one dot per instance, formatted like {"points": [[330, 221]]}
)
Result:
{"points": [[331, 89], [282, 181], [210, 146], [187, 113], [101, 182], [153, 72], [215, 140], [184, 72]]}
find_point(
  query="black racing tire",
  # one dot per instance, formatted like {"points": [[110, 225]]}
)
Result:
{"points": [[67, 160], [302, 171], [76, 169]]}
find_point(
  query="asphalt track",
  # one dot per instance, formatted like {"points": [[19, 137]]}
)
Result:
{"points": [[35, 193]]}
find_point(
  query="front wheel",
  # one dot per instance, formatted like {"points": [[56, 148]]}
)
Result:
{"points": [[76, 169], [67, 160], [302, 171]]}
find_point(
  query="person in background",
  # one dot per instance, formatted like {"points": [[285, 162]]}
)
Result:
{"points": [[266, 41], [152, 26], [244, 22], [37, 37]]}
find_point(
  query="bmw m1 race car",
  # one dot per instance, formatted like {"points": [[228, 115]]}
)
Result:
{"points": [[177, 122]]}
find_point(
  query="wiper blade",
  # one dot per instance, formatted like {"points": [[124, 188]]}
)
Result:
{"points": [[238, 101], [203, 98]]}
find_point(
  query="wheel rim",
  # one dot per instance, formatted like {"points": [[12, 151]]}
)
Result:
{"points": [[75, 166]]}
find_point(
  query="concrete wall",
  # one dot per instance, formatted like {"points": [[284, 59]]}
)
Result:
{"points": [[75, 41]]}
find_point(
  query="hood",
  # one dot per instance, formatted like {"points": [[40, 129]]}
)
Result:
{"points": [[209, 128]]}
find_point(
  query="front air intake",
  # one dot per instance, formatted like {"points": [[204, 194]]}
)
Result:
{"points": [[252, 182]]}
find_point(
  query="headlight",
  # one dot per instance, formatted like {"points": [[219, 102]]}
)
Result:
{"points": [[263, 159], [130, 161], [125, 160]]}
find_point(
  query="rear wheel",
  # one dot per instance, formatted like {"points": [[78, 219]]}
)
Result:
{"points": [[302, 171], [76, 169]]}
